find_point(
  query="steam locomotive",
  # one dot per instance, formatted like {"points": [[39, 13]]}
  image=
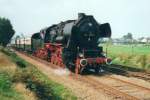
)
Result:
{"points": [[73, 44]]}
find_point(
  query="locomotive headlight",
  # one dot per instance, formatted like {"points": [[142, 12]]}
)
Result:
{"points": [[83, 62], [81, 55], [108, 61]]}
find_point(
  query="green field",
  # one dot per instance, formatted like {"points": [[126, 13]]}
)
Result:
{"points": [[129, 55], [129, 49]]}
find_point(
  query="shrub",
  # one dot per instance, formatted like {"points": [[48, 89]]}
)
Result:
{"points": [[21, 64]]}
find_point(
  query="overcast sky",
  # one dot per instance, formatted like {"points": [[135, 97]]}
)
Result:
{"points": [[29, 16]]}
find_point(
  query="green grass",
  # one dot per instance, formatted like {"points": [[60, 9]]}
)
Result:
{"points": [[38, 82], [128, 49], [130, 55], [7, 92]]}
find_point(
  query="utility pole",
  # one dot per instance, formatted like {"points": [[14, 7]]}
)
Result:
{"points": [[23, 41]]}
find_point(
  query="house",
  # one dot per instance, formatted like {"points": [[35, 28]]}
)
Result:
{"points": [[144, 40]]}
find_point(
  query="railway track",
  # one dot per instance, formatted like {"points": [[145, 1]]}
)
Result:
{"points": [[119, 89], [137, 73], [135, 91], [115, 93], [140, 75]]}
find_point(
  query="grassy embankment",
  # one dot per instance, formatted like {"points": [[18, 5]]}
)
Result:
{"points": [[128, 55], [7, 70], [36, 81]]}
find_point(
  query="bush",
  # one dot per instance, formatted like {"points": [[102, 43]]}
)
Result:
{"points": [[42, 90], [21, 64]]}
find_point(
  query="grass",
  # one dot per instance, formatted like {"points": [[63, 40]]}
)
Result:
{"points": [[37, 82], [137, 56], [45, 88], [7, 91], [128, 49]]}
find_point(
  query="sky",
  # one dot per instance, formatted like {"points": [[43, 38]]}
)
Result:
{"points": [[124, 16]]}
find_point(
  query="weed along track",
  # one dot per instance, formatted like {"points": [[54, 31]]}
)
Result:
{"points": [[110, 86]]}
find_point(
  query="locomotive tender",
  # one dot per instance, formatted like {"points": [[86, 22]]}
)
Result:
{"points": [[73, 43]]}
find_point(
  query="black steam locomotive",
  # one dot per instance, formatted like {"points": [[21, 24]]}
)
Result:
{"points": [[73, 43]]}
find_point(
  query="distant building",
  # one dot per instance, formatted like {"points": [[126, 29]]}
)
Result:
{"points": [[144, 40]]}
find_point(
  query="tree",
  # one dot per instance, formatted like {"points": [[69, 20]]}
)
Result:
{"points": [[6, 31], [128, 38]]}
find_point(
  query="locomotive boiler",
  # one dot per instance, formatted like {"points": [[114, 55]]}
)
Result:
{"points": [[73, 43]]}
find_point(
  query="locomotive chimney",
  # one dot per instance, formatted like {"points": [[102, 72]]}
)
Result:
{"points": [[81, 15]]}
